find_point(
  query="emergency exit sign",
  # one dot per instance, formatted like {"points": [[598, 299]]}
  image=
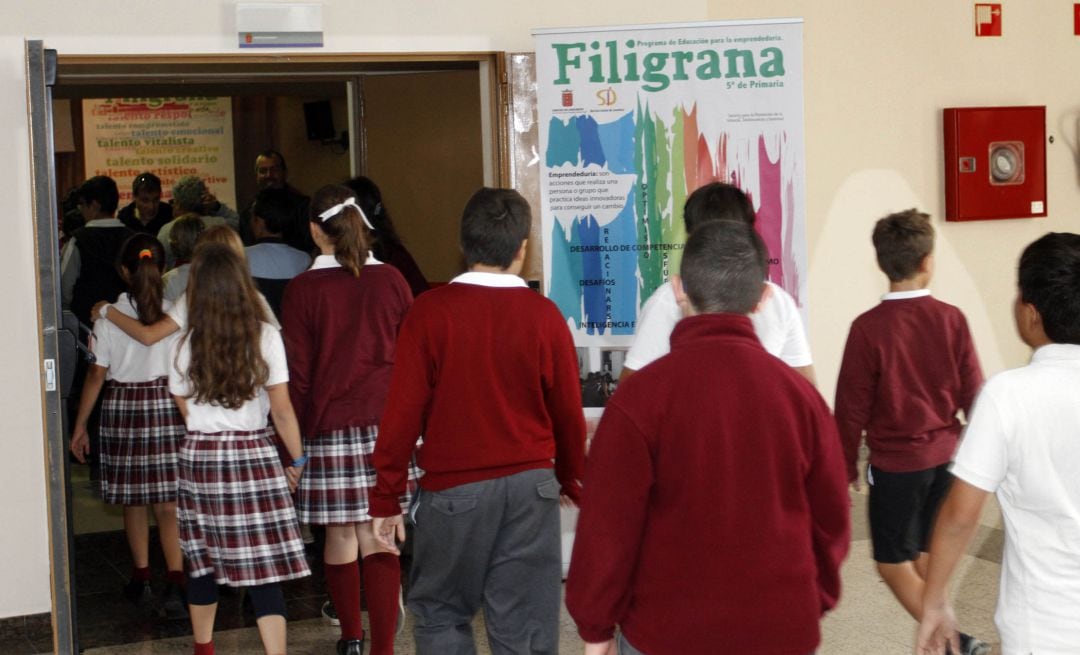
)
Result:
{"points": [[988, 19]]}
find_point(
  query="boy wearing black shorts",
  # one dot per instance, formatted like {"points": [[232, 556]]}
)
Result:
{"points": [[909, 368]]}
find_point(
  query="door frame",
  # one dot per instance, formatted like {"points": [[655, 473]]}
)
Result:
{"points": [[46, 69]]}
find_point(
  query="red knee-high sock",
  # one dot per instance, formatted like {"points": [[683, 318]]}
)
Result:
{"points": [[204, 649], [343, 583], [382, 585]]}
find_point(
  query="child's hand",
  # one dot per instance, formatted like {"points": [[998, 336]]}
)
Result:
{"points": [[386, 529], [603, 648], [292, 474], [95, 311], [566, 501], [80, 443]]}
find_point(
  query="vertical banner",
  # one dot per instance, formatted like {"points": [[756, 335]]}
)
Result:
{"points": [[632, 120], [169, 137]]}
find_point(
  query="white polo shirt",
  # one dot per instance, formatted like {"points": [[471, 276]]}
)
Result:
{"points": [[251, 415], [777, 324], [1023, 444], [127, 359]]}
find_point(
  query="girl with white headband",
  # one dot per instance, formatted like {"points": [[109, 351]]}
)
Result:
{"points": [[340, 321]]}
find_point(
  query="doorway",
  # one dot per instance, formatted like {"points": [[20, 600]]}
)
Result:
{"points": [[390, 106]]}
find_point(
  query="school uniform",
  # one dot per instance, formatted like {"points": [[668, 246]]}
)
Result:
{"points": [[88, 266], [129, 216], [340, 334], [234, 508], [777, 324], [486, 371], [140, 424]]}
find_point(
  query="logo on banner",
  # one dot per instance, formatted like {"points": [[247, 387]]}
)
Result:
{"points": [[567, 98], [606, 97]]}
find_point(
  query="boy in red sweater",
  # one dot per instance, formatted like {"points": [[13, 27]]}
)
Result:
{"points": [[714, 516], [909, 367], [486, 371]]}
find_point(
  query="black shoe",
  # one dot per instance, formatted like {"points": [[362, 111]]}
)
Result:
{"points": [[139, 592], [350, 647], [330, 614], [971, 646], [173, 603]]}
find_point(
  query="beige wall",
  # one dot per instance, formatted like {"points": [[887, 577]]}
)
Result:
{"points": [[424, 151], [154, 26], [311, 164], [877, 76]]}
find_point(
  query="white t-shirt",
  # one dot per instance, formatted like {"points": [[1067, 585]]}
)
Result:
{"points": [[1023, 444], [777, 324], [127, 359], [179, 312], [215, 418]]}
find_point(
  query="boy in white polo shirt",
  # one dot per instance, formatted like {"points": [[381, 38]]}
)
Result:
{"points": [[777, 322], [1023, 443]]}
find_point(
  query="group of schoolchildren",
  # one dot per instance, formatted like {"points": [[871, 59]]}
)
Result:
{"points": [[714, 505]]}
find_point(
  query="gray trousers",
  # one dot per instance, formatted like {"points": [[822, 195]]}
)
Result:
{"points": [[491, 545]]}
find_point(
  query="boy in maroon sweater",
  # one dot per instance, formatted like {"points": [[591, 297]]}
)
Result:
{"points": [[714, 516], [486, 371], [909, 367]]}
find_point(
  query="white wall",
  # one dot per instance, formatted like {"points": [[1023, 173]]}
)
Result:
{"points": [[206, 26], [877, 76]]}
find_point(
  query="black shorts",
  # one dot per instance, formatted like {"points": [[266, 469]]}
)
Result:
{"points": [[903, 507]]}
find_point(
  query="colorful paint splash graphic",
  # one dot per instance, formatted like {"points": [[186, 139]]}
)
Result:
{"points": [[602, 270]]}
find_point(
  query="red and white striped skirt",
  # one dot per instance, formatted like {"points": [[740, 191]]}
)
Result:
{"points": [[339, 476], [236, 515], [141, 429]]}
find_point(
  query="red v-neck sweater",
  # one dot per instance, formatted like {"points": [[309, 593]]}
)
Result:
{"points": [[489, 377], [340, 333], [909, 365], [715, 512]]}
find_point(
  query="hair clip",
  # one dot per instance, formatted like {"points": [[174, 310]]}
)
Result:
{"points": [[340, 207], [146, 253]]}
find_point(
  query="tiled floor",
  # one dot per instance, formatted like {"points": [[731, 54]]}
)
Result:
{"points": [[867, 621]]}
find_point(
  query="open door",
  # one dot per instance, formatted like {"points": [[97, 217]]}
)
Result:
{"points": [[40, 75]]}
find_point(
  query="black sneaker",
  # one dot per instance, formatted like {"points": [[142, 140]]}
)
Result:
{"points": [[350, 647], [971, 646], [139, 592], [173, 603], [330, 614]]}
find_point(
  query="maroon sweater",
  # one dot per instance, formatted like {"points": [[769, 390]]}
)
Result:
{"points": [[489, 377], [340, 333], [714, 515], [909, 366]]}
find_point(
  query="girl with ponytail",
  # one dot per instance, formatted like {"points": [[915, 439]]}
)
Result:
{"points": [[340, 321], [140, 425]]}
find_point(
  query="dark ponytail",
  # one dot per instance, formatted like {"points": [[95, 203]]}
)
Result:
{"points": [[142, 260], [345, 228]]}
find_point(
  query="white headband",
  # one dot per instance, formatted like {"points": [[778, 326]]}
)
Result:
{"points": [[337, 209]]}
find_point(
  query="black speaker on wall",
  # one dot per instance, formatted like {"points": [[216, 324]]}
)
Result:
{"points": [[319, 121]]}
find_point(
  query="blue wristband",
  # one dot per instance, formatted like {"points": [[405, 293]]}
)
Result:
{"points": [[300, 461]]}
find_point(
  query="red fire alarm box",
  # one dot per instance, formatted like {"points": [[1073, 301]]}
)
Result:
{"points": [[995, 163]]}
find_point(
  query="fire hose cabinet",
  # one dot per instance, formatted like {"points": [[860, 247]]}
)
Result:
{"points": [[995, 163]]}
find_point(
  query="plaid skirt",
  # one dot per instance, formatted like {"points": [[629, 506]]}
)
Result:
{"points": [[339, 475], [235, 512], [140, 431]]}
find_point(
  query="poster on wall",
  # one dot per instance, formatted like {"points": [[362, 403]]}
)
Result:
{"points": [[169, 137], [632, 120]]}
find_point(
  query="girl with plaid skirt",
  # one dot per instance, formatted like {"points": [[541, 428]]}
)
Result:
{"points": [[237, 522], [340, 322], [140, 425]]}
